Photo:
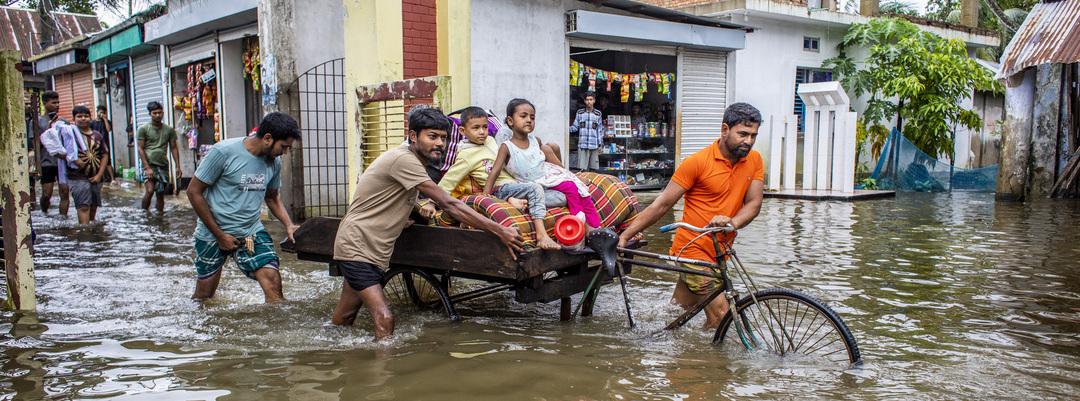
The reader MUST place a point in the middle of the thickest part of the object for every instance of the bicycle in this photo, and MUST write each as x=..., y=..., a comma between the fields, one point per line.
x=776, y=320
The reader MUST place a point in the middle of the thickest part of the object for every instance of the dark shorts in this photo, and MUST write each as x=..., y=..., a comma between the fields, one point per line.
x=85, y=194
x=49, y=174
x=209, y=258
x=360, y=275
x=160, y=179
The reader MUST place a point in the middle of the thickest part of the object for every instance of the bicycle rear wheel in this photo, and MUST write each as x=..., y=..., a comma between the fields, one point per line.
x=788, y=322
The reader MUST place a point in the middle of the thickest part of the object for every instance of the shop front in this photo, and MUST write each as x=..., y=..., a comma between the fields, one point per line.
x=661, y=86
x=238, y=54
x=660, y=77
x=203, y=61
x=127, y=73
x=636, y=94
x=194, y=106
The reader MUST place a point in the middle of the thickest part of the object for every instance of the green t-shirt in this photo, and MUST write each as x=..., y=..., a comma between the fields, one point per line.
x=156, y=143
x=236, y=184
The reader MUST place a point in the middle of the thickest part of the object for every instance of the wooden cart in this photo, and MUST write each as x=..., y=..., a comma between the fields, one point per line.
x=426, y=258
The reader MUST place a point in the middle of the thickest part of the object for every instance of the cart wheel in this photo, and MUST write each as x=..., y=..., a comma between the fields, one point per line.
x=412, y=288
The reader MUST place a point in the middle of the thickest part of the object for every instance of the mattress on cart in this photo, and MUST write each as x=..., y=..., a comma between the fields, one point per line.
x=614, y=201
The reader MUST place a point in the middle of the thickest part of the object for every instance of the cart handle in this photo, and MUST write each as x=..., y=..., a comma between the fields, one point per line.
x=722, y=229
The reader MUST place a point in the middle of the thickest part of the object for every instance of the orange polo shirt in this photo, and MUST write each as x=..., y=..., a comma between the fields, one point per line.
x=714, y=186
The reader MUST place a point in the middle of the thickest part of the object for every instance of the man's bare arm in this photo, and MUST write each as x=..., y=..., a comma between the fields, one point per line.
x=751, y=205
x=273, y=202
x=651, y=214
x=202, y=209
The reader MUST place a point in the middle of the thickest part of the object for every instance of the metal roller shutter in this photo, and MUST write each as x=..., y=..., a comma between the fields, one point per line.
x=146, y=74
x=195, y=50
x=75, y=89
x=62, y=86
x=703, y=98
x=82, y=88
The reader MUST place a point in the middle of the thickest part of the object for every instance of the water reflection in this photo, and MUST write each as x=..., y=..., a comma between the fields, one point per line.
x=949, y=295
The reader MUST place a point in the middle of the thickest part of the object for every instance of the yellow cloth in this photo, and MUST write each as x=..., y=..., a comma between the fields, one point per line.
x=471, y=169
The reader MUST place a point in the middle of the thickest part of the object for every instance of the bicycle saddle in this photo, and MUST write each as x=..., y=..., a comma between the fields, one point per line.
x=605, y=243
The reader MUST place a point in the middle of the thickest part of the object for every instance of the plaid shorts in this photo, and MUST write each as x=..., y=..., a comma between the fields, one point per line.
x=209, y=258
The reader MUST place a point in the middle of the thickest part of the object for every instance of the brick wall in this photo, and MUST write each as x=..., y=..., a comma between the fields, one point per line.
x=419, y=40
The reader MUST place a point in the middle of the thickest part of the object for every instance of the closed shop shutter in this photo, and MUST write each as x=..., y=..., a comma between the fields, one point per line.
x=146, y=74
x=195, y=50
x=75, y=89
x=703, y=98
x=62, y=87
x=82, y=88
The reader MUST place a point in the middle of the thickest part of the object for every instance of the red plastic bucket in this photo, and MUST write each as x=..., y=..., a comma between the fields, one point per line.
x=569, y=230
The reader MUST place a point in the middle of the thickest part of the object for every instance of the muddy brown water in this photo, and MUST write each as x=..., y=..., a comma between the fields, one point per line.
x=949, y=295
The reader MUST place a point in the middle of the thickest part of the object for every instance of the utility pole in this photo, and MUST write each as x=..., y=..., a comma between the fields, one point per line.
x=15, y=188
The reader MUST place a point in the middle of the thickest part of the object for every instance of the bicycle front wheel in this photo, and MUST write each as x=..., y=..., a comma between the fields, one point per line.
x=787, y=322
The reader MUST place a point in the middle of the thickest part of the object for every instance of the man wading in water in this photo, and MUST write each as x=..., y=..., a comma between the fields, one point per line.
x=384, y=197
x=227, y=193
x=723, y=185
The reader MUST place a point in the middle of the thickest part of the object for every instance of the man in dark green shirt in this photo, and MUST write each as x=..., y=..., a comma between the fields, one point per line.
x=155, y=140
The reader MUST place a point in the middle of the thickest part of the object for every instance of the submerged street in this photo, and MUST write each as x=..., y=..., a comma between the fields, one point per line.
x=967, y=299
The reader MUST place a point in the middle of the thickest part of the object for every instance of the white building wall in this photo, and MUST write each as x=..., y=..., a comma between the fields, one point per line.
x=522, y=57
x=525, y=57
x=319, y=34
x=766, y=67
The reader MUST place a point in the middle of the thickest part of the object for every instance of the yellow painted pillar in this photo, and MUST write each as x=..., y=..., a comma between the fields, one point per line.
x=15, y=189
x=373, y=54
x=455, y=44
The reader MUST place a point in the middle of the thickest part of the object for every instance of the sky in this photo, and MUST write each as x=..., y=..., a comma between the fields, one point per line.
x=111, y=17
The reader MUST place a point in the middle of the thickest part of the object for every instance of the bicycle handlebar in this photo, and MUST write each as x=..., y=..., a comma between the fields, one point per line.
x=673, y=226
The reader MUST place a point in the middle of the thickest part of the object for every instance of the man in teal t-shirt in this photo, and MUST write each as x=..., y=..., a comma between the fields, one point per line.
x=227, y=193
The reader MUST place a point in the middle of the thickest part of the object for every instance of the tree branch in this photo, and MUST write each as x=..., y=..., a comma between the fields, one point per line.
x=996, y=10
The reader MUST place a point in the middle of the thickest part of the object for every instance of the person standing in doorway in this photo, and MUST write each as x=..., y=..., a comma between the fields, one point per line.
x=155, y=140
x=589, y=125
x=227, y=193
x=48, y=163
x=85, y=180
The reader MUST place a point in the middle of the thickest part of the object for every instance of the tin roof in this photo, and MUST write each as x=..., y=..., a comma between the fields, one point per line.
x=25, y=29
x=1049, y=34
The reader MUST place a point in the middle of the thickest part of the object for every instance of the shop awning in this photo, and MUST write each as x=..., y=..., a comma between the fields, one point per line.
x=619, y=28
x=182, y=24
x=120, y=43
x=65, y=61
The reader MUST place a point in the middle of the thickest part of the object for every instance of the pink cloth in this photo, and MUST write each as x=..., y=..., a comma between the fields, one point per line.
x=577, y=203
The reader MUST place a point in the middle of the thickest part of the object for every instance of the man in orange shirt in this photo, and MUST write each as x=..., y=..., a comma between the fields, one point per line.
x=722, y=184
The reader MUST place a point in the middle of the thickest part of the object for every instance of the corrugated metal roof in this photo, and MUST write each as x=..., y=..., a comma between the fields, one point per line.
x=1049, y=34
x=25, y=27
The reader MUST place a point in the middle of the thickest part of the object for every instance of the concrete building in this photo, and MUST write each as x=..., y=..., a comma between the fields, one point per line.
x=1041, y=69
x=791, y=39
x=127, y=75
x=491, y=51
x=225, y=64
x=24, y=30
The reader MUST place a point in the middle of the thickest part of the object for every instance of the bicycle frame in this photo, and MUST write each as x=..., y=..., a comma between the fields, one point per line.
x=718, y=269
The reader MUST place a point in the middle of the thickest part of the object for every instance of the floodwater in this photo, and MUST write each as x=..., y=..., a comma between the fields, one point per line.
x=950, y=296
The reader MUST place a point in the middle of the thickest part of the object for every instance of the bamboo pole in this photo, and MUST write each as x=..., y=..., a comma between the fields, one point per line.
x=15, y=188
